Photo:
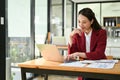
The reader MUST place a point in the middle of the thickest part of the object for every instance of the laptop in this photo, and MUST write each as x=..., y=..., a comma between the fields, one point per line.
x=50, y=52
x=59, y=40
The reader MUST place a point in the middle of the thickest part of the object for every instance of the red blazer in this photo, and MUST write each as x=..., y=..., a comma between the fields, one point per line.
x=97, y=45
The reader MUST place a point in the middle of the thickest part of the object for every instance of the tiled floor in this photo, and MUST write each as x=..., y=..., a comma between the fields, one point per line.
x=57, y=77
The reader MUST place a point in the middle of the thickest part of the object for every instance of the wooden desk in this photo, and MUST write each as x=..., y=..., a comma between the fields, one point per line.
x=41, y=66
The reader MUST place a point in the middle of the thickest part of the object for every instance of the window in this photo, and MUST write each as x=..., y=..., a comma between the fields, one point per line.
x=40, y=24
x=19, y=39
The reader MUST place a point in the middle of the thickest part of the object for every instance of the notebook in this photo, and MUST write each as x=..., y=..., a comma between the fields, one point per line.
x=50, y=52
x=59, y=40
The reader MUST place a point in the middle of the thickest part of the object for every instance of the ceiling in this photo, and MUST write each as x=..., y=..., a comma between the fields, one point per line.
x=60, y=2
x=78, y=1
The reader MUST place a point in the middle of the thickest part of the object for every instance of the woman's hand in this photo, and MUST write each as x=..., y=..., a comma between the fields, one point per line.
x=75, y=31
x=75, y=56
x=72, y=56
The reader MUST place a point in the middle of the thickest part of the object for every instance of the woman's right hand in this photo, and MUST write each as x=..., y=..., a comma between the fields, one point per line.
x=75, y=31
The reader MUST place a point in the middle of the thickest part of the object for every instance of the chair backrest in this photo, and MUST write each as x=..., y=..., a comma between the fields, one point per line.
x=109, y=57
x=59, y=40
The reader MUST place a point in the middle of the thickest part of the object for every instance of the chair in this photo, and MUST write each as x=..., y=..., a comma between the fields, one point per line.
x=59, y=40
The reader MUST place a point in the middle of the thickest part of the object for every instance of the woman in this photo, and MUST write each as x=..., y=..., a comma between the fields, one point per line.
x=89, y=40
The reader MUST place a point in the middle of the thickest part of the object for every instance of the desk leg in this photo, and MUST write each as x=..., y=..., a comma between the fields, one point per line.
x=46, y=77
x=23, y=74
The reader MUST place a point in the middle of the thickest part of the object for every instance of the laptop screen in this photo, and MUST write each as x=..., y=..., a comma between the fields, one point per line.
x=50, y=52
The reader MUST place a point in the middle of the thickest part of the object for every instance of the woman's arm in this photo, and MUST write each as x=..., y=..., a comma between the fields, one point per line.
x=73, y=39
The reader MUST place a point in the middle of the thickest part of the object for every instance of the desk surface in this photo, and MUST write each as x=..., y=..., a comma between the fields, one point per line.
x=43, y=64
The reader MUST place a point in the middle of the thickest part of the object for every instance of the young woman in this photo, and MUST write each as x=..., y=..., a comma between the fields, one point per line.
x=89, y=40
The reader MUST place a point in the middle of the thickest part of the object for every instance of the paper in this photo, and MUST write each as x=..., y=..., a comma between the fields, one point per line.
x=99, y=61
x=87, y=61
x=101, y=65
x=73, y=64
x=107, y=61
x=104, y=64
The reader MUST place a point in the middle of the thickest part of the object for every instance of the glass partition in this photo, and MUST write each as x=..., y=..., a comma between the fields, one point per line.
x=19, y=41
x=40, y=23
x=68, y=19
x=56, y=18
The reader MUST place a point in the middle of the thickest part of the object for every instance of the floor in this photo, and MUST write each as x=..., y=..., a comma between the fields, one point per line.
x=57, y=77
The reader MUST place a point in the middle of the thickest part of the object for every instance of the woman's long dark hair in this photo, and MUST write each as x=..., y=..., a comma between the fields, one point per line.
x=87, y=12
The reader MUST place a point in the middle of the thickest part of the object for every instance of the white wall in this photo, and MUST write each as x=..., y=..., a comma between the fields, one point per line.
x=40, y=23
x=110, y=10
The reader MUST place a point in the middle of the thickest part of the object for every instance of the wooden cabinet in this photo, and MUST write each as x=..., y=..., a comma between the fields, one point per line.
x=111, y=21
x=118, y=22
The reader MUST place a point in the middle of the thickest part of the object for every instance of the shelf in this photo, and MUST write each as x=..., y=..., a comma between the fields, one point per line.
x=111, y=21
x=112, y=25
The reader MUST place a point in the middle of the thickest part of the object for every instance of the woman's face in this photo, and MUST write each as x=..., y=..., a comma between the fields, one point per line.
x=84, y=23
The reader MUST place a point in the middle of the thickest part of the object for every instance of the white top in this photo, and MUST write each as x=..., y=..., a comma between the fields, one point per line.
x=88, y=39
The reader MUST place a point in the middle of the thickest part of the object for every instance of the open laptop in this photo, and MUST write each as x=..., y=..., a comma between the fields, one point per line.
x=59, y=40
x=50, y=52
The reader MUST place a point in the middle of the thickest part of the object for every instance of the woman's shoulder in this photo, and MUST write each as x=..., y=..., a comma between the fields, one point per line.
x=100, y=31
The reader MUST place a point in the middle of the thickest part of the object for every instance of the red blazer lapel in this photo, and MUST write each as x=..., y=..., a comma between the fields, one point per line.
x=83, y=46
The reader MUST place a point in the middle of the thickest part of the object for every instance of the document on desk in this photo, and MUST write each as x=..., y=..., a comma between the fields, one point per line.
x=101, y=65
x=99, y=61
x=104, y=64
x=73, y=64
